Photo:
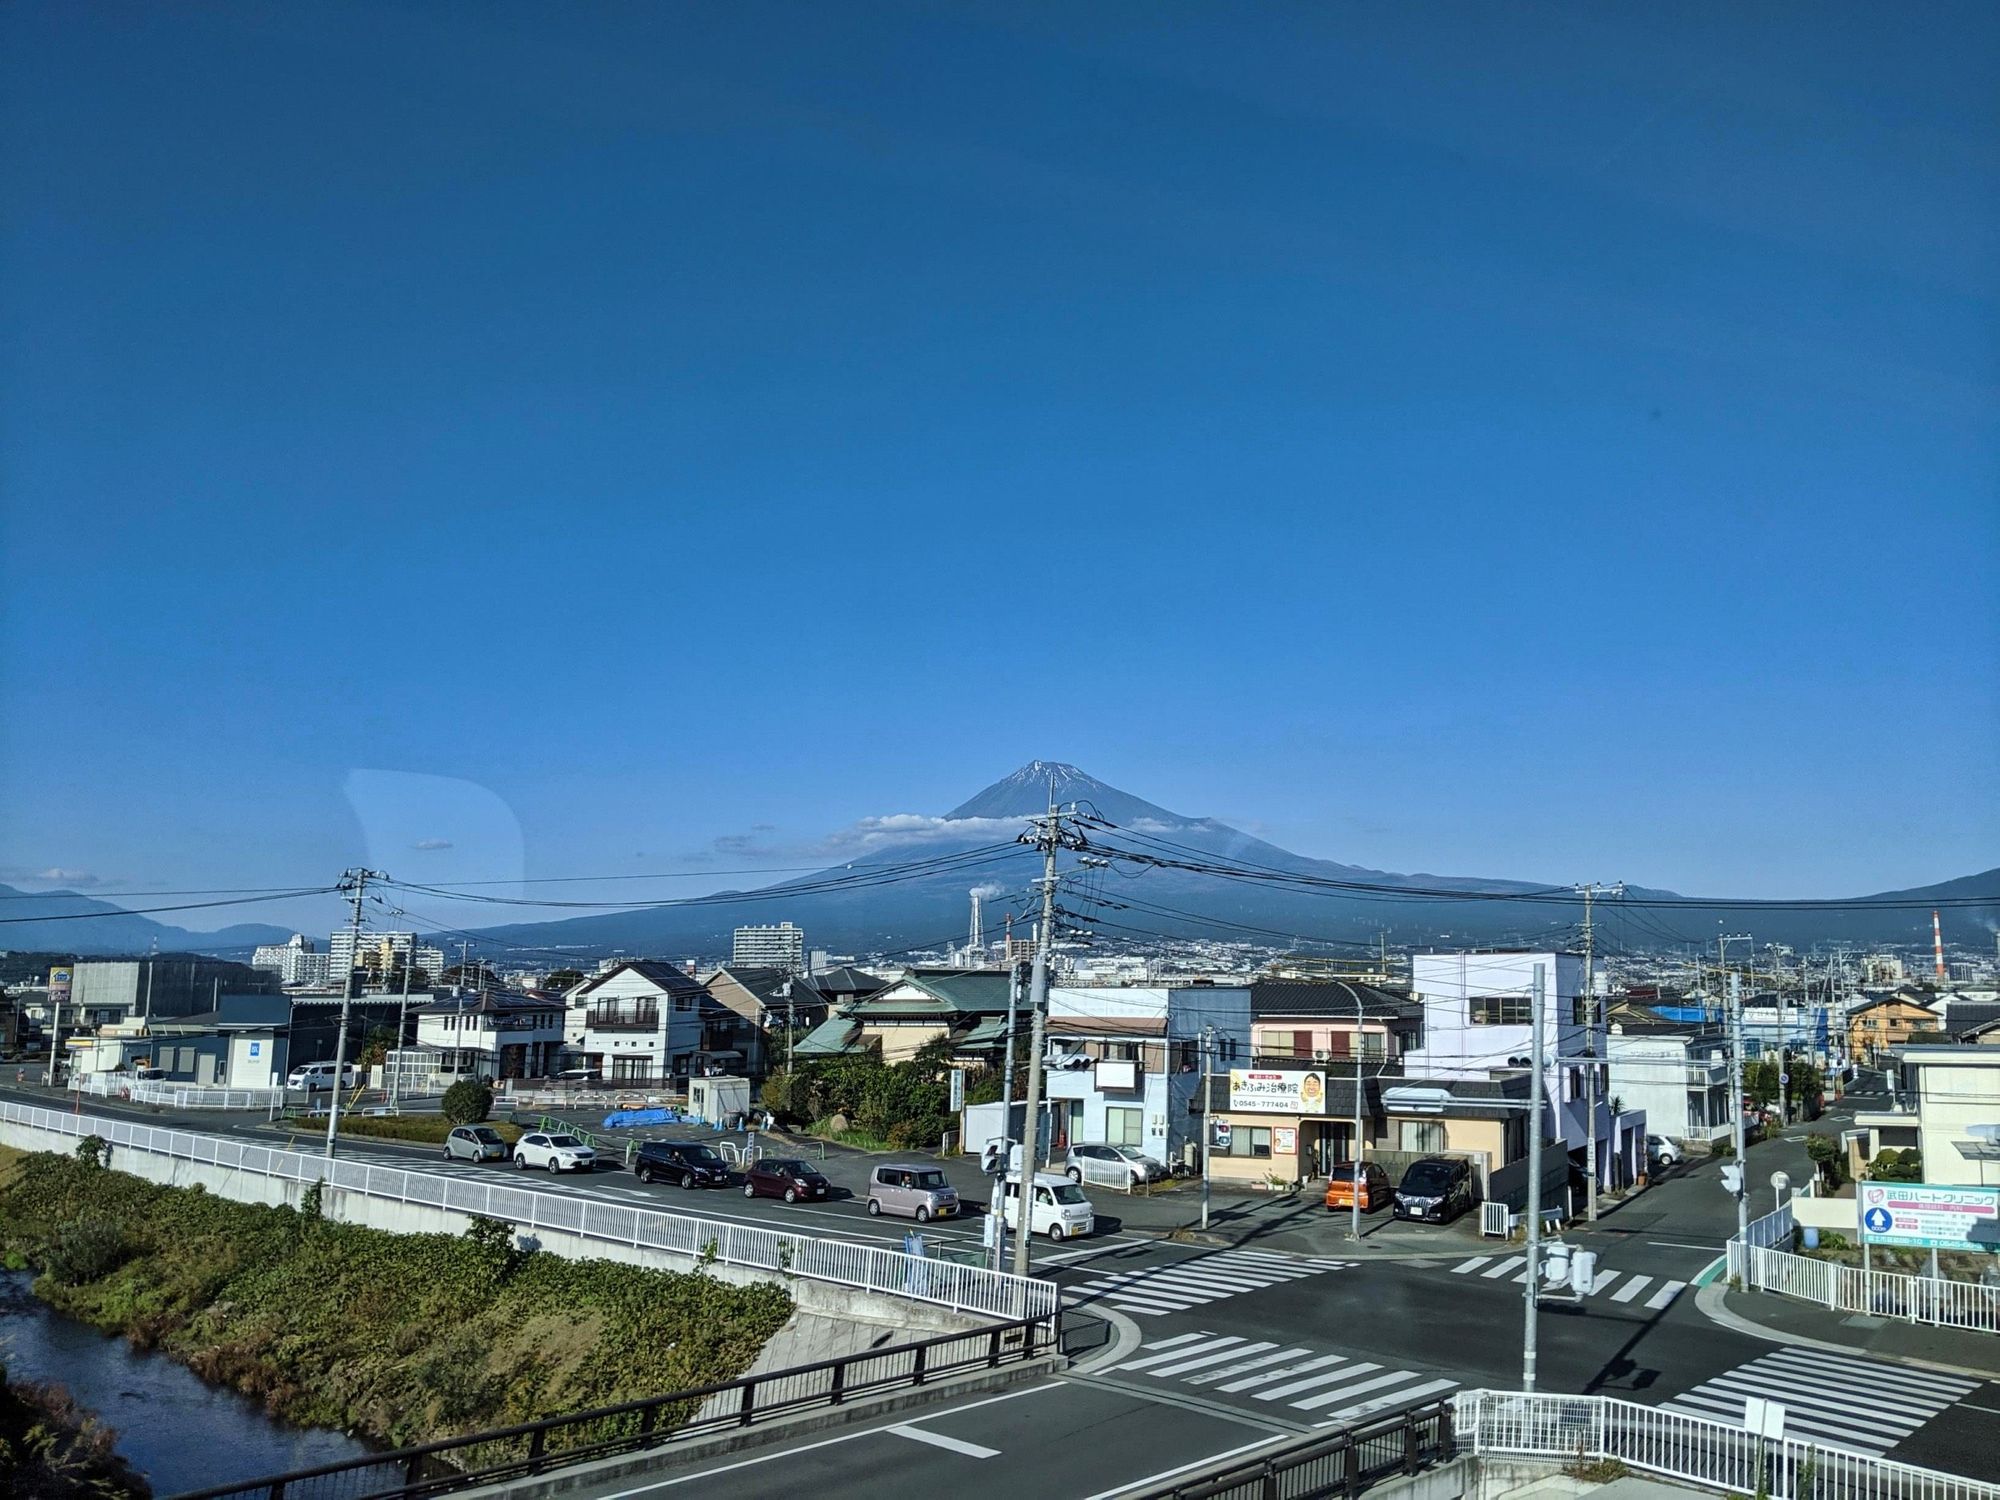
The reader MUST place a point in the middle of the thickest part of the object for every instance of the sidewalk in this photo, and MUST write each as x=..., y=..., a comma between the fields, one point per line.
x=1790, y=1321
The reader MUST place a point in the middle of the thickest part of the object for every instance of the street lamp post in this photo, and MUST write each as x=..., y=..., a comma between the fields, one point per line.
x=1207, y=1113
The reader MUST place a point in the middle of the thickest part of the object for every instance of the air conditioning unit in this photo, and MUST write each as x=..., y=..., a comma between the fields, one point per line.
x=1320, y=1054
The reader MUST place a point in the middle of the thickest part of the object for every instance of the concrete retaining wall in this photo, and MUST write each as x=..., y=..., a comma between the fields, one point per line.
x=815, y=1299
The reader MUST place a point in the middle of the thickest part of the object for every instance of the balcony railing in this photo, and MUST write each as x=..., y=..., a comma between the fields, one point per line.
x=622, y=1018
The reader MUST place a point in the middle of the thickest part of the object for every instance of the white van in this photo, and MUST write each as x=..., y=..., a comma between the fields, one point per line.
x=1059, y=1209
x=313, y=1077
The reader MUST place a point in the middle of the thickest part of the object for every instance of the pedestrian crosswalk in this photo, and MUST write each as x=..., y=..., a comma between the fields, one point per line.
x=1176, y=1286
x=1656, y=1292
x=1329, y=1387
x=1841, y=1400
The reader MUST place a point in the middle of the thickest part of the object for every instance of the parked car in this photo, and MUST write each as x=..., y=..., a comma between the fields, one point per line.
x=783, y=1177
x=1112, y=1162
x=1662, y=1152
x=1059, y=1209
x=919, y=1193
x=313, y=1077
x=475, y=1143
x=1435, y=1190
x=559, y=1153
x=688, y=1163
x=1375, y=1189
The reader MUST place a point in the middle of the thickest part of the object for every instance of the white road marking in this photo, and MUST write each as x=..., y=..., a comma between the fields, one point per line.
x=1360, y=1368
x=1470, y=1265
x=1631, y=1289
x=939, y=1440
x=1512, y=1263
x=1665, y=1295
x=1209, y=1377
x=1159, y=1359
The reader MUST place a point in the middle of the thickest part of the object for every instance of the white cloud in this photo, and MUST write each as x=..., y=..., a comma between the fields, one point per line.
x=53, y=875
x=892, y=829
x=428, y=844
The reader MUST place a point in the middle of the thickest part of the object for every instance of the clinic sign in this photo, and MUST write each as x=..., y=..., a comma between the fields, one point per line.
x=1269, y=1091
x=1930, y=1218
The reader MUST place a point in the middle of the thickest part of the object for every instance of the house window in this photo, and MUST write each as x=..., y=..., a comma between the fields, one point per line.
x=632, y=1069
x=1302, y=1044
x=1121, y=1126
x=1500, y=1010
x=1371, y=1044
x=1420, y=1135
x=683, y=1003
x=1250, y=1140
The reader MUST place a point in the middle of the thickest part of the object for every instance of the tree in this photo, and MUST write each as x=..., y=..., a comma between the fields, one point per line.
x=418, y=978
x=563, y=980
x=474, y=976
x=467, y=1102
x=375, y=1048
x=1897, y=1166
x=1825, y=1153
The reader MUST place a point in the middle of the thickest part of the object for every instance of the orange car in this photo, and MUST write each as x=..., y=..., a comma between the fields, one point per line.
x=1375, y=1190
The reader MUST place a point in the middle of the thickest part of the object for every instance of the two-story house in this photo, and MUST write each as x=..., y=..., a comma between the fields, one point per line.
x=493, y=1036
x=638, y=1024
x=1879, y=1026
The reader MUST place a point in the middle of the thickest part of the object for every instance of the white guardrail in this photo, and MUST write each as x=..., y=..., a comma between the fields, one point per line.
x=1763, y=1262
x=173, y=1095
x=1695, y=1450
x=889, y=1272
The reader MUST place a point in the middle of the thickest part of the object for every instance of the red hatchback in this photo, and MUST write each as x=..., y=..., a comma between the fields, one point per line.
x=783, y=1177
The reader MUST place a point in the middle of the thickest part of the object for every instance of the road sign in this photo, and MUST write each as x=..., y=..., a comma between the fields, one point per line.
x=1931, y=1218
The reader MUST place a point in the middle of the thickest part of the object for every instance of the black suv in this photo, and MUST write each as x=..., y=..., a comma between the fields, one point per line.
x=689, y=1163
x=1437, y=1189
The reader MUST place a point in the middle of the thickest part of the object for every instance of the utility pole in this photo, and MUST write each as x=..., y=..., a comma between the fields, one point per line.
x=1736, y=1101
x=1590, y=1010
x=1532, y=1290
x=1049, y=836
x=1207, y=1112
x=1006, y=1162
x=402, y=1021
x=355, y=884
x=1355, y=1177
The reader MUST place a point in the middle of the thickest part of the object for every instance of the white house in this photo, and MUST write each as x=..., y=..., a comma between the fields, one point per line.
x=1107, y=1077
x=492, y=1036
x=1479, y=1021
x=637, y=1023
x=1680, y=1078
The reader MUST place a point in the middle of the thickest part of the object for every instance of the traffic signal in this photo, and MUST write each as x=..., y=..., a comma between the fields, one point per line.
x=1732, y=1178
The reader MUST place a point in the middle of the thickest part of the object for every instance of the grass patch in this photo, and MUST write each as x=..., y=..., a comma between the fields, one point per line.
x=404, y=1338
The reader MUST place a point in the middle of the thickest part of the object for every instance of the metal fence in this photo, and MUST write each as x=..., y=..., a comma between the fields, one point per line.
x=889, y=1272
x=173, y=1095
x=1694, y=1450
x=558, y=1442
x=1762, y=1261
x=1342, y=1463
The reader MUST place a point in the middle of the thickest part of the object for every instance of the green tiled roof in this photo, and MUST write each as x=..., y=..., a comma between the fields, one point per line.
x=831, y=1038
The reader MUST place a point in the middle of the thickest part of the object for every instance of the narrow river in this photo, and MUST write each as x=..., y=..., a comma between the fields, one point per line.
x=180, y=1433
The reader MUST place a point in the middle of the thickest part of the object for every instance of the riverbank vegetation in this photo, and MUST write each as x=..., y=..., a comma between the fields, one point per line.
x=402, y=1338
x=51, y=1449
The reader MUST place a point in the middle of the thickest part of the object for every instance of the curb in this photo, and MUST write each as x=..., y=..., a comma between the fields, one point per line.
x=1709, y=1300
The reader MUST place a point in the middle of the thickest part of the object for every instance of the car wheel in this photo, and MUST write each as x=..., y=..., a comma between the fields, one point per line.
x=1055, y=1233
x=749, y=1190
x=644, y=1174
x=688, y=1184
x=447, y=1153
x=874, y=1209
x=923, y=1214
x=521, y=1161
x=1074, y=1174
x=791, y=1195
x=555, y=1164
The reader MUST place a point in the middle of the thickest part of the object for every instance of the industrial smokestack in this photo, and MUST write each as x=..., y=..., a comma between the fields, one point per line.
x=976, y=940
x=1937, y=944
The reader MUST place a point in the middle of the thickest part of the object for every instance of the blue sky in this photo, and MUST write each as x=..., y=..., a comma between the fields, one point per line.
x=1552, y=442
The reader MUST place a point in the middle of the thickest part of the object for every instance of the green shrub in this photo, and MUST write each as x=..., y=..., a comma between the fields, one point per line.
x=84, y=1250
x=93, y=1150
x=403, y=1338
x=429, y=1130
x=467, y=1102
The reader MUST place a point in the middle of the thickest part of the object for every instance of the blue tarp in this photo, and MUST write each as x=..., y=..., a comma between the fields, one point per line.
x=640, y=1117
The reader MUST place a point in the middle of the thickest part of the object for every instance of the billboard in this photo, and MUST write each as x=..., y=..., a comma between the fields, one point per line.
x=1276, y=1091
x=1930, y=1218
x=60, y=979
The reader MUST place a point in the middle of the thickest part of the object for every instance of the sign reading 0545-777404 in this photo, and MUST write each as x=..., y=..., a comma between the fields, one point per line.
x=1931, y=1218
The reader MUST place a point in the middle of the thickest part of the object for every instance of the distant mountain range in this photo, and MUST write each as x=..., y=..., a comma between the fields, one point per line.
x=911, y=891
x=932, y=910
x=35, y=926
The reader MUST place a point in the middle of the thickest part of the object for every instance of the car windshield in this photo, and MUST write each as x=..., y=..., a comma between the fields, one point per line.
x=704, y=1156
x=785, y=1168
x=1427, y=1179
x=486, y=1136
x=568, y=1141
x=1344, y=1171
x=1069, y=1192
x=1127, y=1153
x=932, y=1180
